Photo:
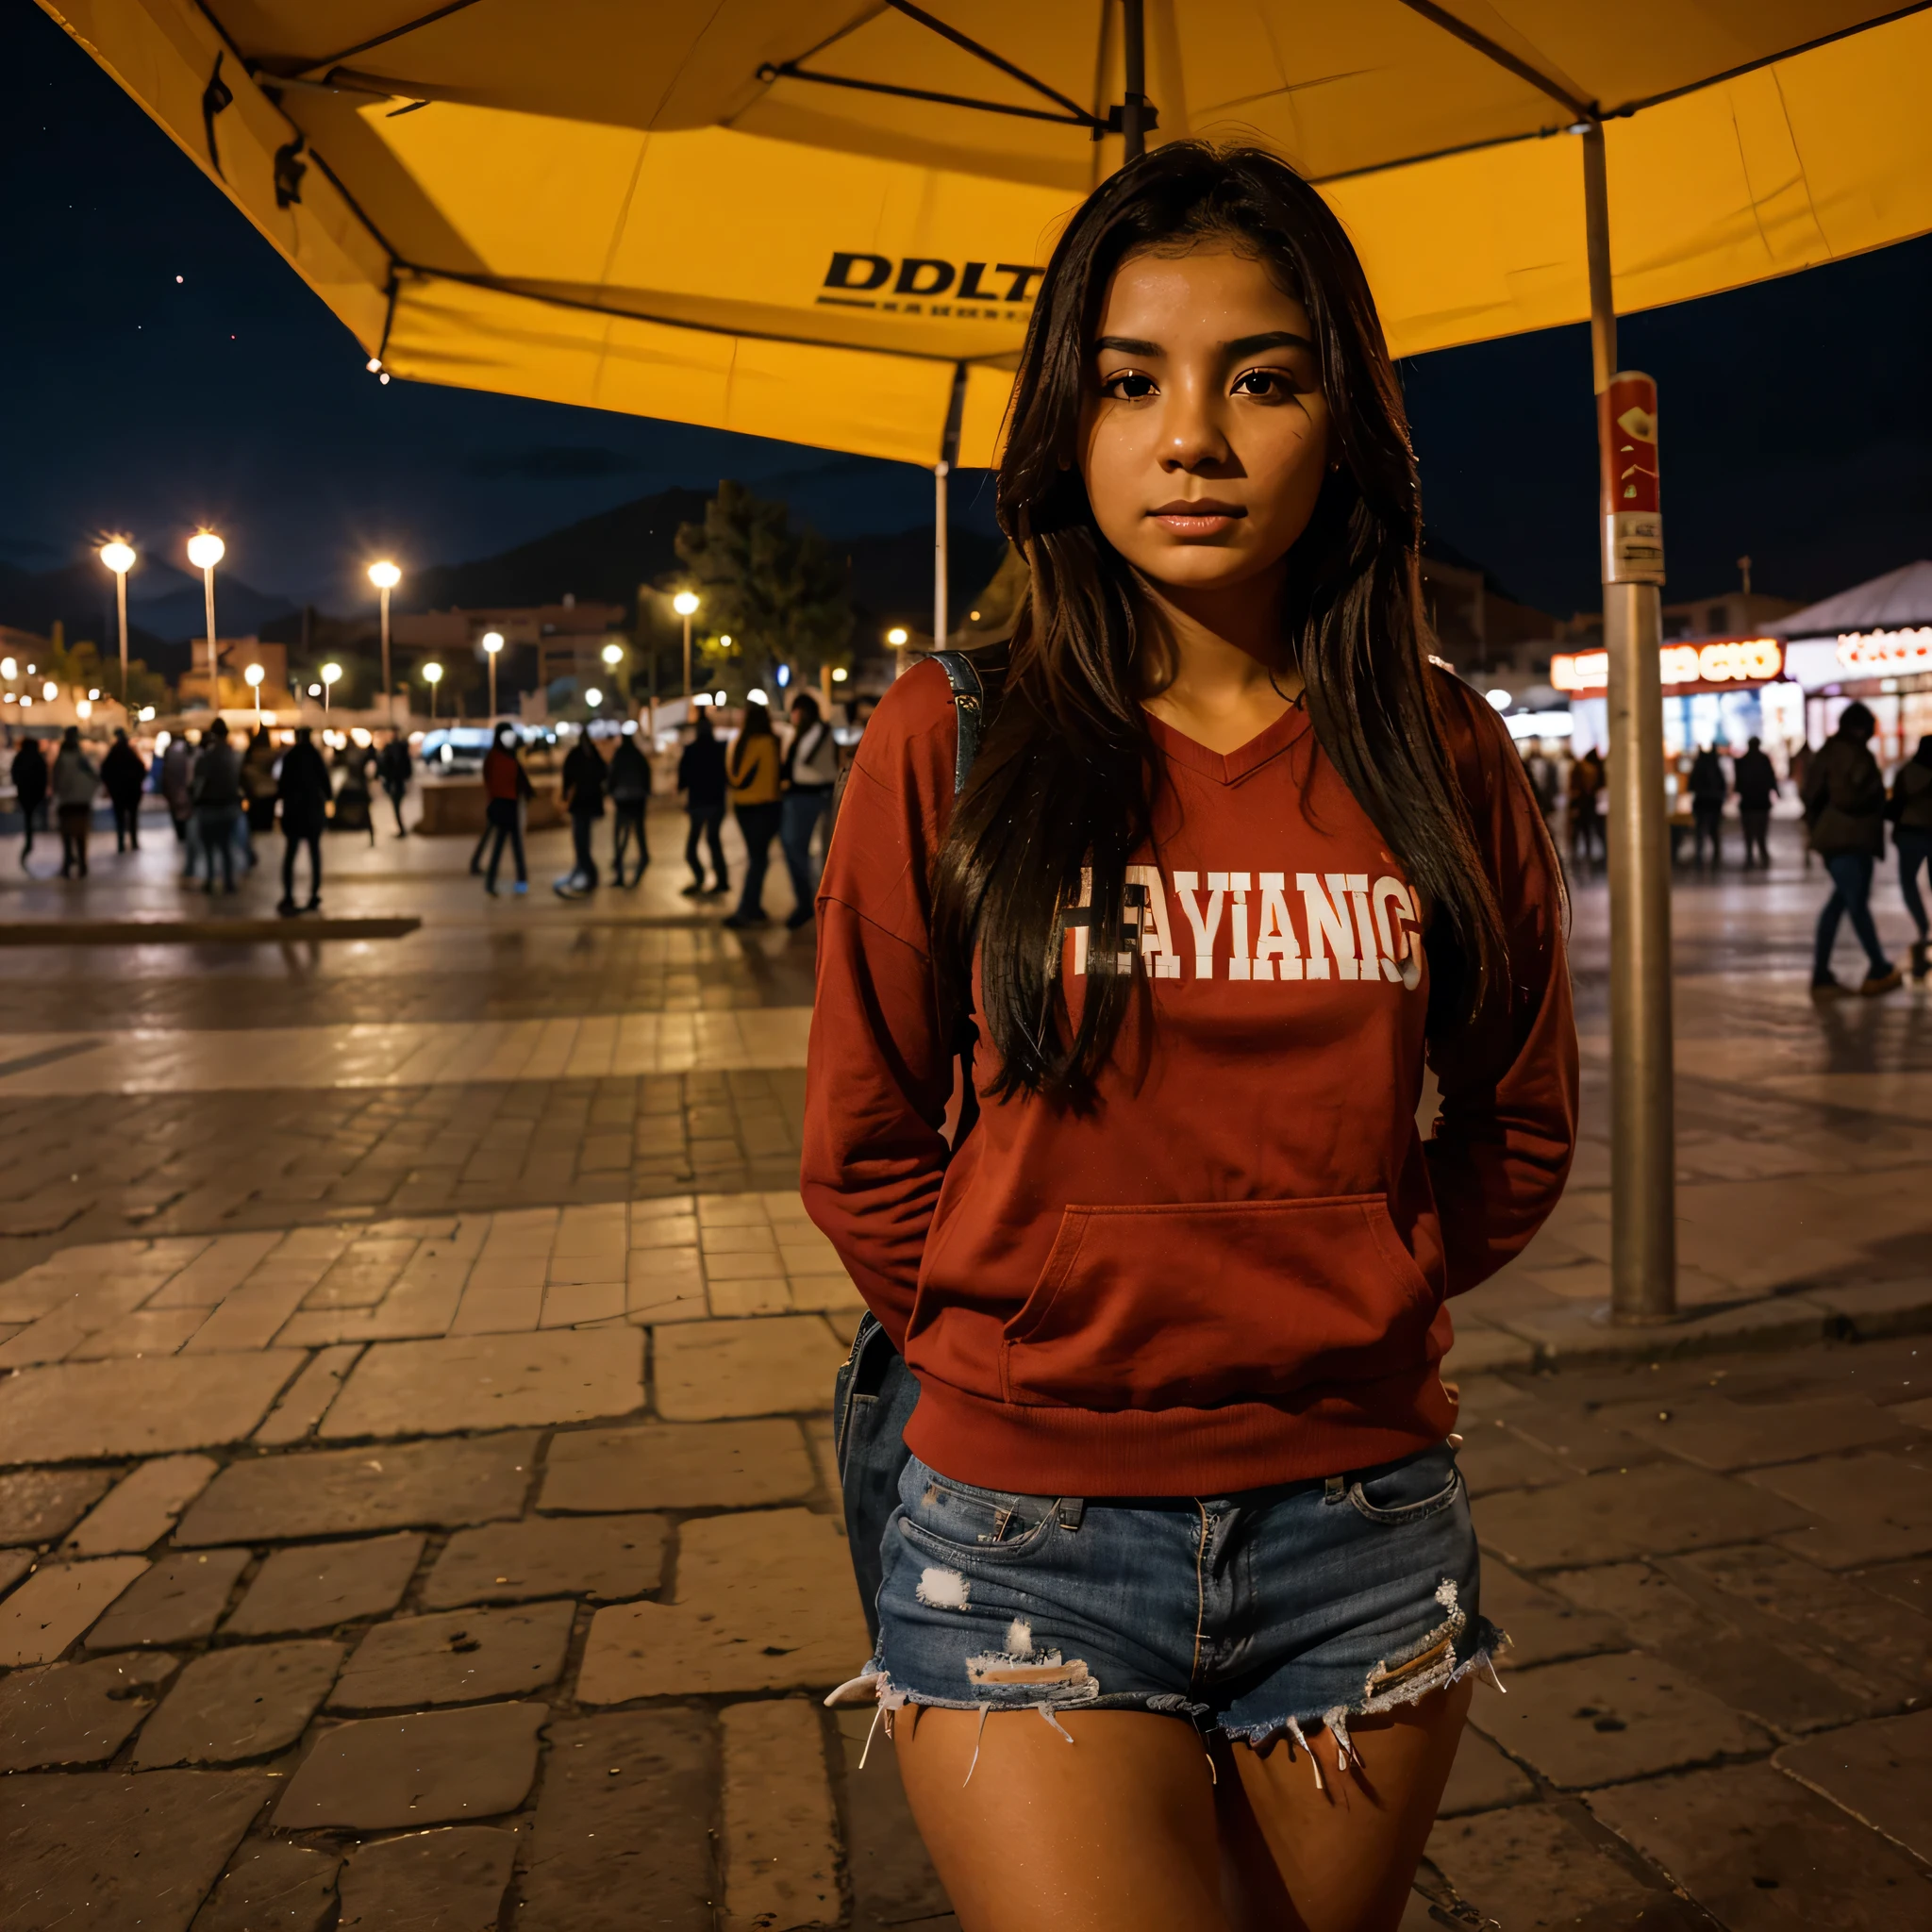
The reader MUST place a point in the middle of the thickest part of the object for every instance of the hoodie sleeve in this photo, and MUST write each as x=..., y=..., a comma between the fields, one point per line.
x=1503, y=1142
x=879, y=1071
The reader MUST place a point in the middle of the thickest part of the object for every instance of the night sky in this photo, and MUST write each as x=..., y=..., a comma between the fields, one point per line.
x=165, y=368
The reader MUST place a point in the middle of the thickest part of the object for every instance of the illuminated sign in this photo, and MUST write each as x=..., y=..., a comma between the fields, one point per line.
x=1886, y=650
x=1726, y=661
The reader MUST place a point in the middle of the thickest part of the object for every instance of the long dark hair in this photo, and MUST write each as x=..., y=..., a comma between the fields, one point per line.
x=1064, y=781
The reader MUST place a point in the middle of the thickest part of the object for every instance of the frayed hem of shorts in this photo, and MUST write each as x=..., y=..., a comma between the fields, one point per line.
x=1295, y=1728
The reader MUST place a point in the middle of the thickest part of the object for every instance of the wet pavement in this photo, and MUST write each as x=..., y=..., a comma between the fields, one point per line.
x=414, y=1497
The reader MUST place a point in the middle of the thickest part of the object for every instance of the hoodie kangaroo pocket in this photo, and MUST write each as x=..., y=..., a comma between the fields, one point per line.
x=1192, y=1304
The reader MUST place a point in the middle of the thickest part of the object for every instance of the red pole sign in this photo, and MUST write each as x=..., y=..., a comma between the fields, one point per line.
x=1633, y=518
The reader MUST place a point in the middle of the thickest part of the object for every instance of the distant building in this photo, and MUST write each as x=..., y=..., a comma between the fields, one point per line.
x=567, y=638
x=236, y=695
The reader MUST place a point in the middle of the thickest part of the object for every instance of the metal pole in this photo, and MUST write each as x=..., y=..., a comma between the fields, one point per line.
x=1133, y=49
x=214, y=656
x=492, y=656
x=389, y=700
x=1643, y=1233
x=939, y=472
x=121, y=601
x=686, y=667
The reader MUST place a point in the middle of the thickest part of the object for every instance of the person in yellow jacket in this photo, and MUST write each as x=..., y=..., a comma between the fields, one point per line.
x=751, y=768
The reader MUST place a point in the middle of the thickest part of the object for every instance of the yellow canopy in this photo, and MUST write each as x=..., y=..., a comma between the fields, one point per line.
x=820, y=220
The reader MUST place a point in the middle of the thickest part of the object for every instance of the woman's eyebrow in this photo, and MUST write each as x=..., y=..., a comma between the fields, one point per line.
x=1127, y=345
x=1273, y=338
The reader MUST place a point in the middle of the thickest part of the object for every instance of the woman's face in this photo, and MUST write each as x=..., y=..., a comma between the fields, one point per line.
x=1204, y=437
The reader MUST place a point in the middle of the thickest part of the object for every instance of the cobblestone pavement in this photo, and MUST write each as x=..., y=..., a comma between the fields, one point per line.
x=414, y=1496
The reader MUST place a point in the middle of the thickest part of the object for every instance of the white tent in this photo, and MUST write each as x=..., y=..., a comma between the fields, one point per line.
x=1900, y=600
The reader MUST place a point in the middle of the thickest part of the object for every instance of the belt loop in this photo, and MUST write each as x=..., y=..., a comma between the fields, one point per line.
x=1069, y=1510
x=1334, y=1489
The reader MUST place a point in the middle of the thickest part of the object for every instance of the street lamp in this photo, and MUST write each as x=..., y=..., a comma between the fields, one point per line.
x=254, y=677
x=386, y=576
x=685, y=603
x=432, y=676
x=206, y=550
x=898, y=638
x=593, y=697
x=119, y=558
x=492, y=643
x=329, y=675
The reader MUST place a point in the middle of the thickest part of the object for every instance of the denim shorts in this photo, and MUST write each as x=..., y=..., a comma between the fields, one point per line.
x=1272, y=1611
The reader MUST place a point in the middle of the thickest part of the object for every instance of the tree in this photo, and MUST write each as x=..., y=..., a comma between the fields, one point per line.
x=778, y=594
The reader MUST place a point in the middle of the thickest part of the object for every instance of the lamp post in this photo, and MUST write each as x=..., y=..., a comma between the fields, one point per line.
x=330, y=673
x=898, y=637
x=253, y=678
x=206, y=550
x=613, y=655
x=493, y=644
x=386, y=576
x=432, y=676
x=119, y=558
x=685, y=603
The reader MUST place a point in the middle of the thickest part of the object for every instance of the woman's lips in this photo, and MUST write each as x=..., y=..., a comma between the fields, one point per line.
x=1197, y=519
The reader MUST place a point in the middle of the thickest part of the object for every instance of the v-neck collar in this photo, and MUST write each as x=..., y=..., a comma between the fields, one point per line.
x=1229, y=768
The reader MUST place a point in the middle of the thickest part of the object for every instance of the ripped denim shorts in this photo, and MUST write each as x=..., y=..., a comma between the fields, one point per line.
x=1274, y=1612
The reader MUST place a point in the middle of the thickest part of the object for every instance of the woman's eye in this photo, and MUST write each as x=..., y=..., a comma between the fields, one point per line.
x=1128, y=386
x=1270, y=383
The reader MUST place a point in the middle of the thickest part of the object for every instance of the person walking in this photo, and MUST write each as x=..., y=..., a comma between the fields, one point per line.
x=217, y=791
x=75, y=781
x=751, y=770
x=1755, y=780
x=1708, y=791
x=1182, y=1477
x=177, y=770
x=809, y=772
x=1586, y=821
x=1844, y=813
x=585, y=780
x=506, y=786
x=302, y=786
x=393, y=766
x=259, y=791
x=701, y=782
x=1910, y=812
x=29, y=774
x=125, y=775
x=630, y=798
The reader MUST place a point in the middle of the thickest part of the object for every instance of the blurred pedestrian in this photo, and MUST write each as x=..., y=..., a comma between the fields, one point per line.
x=1801, y=770
x=303, y=788
x=1844, y=810
x=217, y=791
x=700, y=780
x=1586, y=792
x=259, y=793
x=75, y=781
x=630, y=798
x=392, y=767
x=125, y=775
x=178, y=770
x=1910, y=812
x=1755, y=780
x=506, y=786
x=751, y=770
x=1710, y=788
x=29, y=775
x=809, y=773
x=356, y=801
x=585, y=779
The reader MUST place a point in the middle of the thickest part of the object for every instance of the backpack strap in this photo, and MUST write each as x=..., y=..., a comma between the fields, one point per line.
x=968, y=696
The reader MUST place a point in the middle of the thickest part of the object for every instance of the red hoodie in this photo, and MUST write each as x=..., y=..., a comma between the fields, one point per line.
x=1232, y=1270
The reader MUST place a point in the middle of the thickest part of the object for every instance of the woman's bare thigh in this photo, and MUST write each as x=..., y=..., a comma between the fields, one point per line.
x=1123, y=1830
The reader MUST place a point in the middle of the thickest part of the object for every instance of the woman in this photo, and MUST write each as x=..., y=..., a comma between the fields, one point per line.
x=1232, y=862
x=506, y=786
x=1910, y=812
x=700, y=780
x=75, y=781
x=751, y=770
x=808, y=774
x=125, y=773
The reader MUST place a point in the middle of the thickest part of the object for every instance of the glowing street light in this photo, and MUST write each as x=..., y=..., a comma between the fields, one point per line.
x=253, y=676
x=593, y=697
x=613, y=654
x=432, y=676
x=386, y=576
x=686, y=604
x=492, y=647
x=330, y=673
x=119, y=558
x=897, y=637
x=50, y=690
x=206, y=550
x=839, y=673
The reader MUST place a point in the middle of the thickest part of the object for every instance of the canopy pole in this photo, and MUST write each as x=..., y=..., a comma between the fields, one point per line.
x=1134, y=97
x=949, y=455
x=1643, y=1233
